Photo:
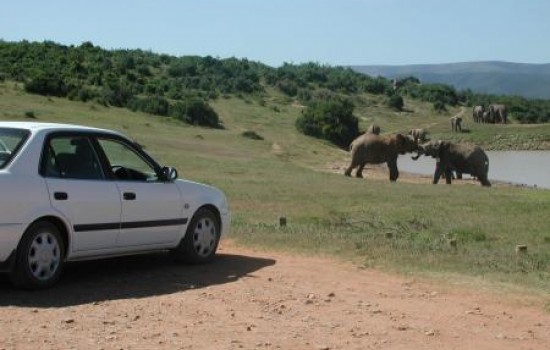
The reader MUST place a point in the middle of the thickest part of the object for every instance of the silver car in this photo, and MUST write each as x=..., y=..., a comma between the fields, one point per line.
x=72, y=193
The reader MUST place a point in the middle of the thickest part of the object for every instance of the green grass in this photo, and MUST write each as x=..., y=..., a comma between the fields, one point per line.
x=397, y=226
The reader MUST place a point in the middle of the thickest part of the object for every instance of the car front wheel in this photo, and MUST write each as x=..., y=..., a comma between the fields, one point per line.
x=201, y=239
x=39, y=260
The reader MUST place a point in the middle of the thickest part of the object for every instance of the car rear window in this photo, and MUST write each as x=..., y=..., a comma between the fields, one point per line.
x=11, y=141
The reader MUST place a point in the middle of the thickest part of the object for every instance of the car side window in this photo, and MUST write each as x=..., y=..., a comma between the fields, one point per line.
x=72, y=157
x=126, y=164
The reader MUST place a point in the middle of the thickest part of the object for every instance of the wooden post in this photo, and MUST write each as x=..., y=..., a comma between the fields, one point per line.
x=452, y=243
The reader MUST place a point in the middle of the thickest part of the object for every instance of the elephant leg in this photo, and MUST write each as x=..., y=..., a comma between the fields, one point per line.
x=437, y=174
x=359, y=172
x=348, y=171
x=394, y=172
x=352, y=165
x=448, y=175
x=482, y=177
x=484, y=181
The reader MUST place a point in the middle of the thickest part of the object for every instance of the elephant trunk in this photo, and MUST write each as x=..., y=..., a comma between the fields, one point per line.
x=418, y=154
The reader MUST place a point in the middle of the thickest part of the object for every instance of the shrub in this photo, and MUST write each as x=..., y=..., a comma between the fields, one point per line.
x=439, y=107
x=30, y=114
x=331, y=120
x=47, y=85
x=249, y=134
x=396, y=102
x=152, y=105
x=195, y=111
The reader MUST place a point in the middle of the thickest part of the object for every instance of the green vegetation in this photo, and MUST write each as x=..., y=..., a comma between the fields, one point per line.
x=268, y=168
x=331, y=120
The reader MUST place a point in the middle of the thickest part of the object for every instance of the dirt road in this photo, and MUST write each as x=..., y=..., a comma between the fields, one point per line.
x=261, y=300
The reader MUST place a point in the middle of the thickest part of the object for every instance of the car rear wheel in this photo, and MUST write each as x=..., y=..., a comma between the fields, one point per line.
x=201, y=239
x=39, y=259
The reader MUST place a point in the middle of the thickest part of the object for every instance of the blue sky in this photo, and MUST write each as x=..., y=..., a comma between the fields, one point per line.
x=334, y=32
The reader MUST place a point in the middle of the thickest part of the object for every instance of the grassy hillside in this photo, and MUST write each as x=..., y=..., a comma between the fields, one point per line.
x=400, y=226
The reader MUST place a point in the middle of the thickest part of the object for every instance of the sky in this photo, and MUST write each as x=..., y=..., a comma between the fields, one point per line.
x=330, y=32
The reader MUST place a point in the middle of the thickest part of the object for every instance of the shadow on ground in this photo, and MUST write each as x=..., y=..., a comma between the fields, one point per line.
x=131, y=277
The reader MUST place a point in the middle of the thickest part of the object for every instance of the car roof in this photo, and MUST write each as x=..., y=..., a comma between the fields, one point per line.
x=39, y=126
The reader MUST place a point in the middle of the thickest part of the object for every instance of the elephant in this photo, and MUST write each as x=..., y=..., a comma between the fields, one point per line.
x=460, y=158
x=373, y=129
x=376, y=149
x=419, y=135
x=477, y=114
x=456, y=123
x=499, y=113
x=486, y=117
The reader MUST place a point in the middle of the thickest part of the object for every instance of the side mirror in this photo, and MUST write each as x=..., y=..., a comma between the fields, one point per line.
x=169, y=174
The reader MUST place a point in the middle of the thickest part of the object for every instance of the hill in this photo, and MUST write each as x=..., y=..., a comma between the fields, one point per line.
x=492, y=77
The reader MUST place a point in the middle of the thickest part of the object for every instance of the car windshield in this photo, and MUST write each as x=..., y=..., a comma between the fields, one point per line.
x=11, y=141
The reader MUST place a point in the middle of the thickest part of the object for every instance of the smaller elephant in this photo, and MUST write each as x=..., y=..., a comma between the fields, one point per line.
x=460, y=158
x=499, y=114
x=376, y=149
x=373, y=129
x=486, y=117
x=456, y=123
x=419, y=135
x=477, y=114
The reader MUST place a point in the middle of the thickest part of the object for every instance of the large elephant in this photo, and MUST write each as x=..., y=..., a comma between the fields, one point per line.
x=419, y=135
x=458, y=157
x=376, y=149
x=499, y=113
x=477, y=114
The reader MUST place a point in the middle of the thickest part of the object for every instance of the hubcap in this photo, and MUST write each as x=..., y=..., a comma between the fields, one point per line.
x=44, y=256
x=204, y=237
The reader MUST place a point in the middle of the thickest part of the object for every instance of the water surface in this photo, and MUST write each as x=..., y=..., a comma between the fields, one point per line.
x=531, y=168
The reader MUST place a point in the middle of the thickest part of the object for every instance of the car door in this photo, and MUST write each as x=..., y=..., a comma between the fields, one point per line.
x=151, y=209
x=80, y=190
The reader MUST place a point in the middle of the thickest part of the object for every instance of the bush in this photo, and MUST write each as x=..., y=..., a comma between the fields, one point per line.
x=439, y=107
x=195, y=111
x=331, y=120
x=249, y=134
x=47, y=85
x=152, y=105
x=396, y=102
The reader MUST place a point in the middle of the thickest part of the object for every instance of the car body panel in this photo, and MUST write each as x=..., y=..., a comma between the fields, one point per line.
x=88, y=203
x=154, y=216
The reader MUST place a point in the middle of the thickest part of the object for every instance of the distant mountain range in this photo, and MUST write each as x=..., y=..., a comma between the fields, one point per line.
x=492, y=77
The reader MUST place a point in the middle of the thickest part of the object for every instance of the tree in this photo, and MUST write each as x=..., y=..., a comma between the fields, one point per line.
x=195, y=111
x=396, y=102
x=332, y=120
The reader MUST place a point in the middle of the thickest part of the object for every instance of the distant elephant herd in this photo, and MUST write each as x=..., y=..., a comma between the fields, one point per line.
x=494, y=114
x=452, y=158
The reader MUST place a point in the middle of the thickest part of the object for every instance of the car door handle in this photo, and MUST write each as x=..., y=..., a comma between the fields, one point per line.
x=60, y=196
x=129, y=196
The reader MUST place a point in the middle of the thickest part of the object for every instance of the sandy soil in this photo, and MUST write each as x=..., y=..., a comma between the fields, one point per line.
x=250, y=299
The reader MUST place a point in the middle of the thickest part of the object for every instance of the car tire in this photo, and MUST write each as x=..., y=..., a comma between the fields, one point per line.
x=40, y=257
x=201, y=238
